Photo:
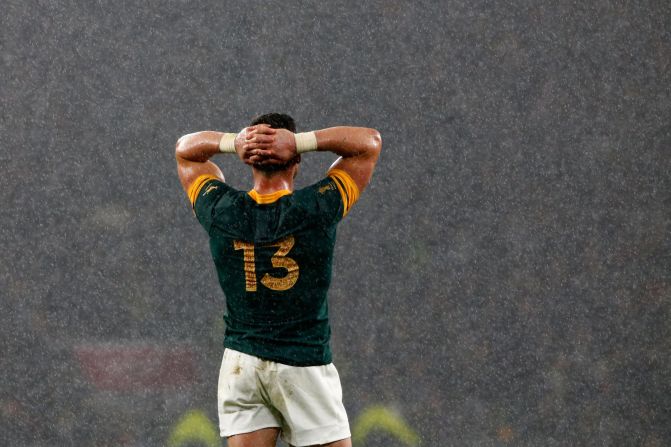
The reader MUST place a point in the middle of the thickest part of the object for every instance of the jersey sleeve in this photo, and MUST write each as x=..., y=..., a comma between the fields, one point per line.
x=204, y=194
x=349, y=191
x=333, y=196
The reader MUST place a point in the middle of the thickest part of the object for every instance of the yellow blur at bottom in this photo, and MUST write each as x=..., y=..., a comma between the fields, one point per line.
x=382, y=419
x=193, y=427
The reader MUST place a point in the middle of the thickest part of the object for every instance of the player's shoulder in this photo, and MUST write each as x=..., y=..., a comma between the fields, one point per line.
x=318, y=188
x=320, y=192
x=329, y=198
x=340, y=186
x=203, y=186
x=209, y=195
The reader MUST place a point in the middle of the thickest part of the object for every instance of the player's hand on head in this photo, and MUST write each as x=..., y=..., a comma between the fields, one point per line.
x=265, y=145
x=252, y=143
x=284, y=145
x=256, y=144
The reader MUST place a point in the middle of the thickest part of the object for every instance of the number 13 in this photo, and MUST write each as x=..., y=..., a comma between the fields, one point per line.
x=279, y=260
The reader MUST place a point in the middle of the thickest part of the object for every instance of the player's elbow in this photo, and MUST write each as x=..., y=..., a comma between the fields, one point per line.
x=181, y=146
x=375, y=142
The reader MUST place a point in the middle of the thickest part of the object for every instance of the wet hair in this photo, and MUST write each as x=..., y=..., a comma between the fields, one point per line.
x=277, y=121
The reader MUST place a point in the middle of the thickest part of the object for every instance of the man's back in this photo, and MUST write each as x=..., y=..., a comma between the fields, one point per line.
x=273, y=255
x=273, y=250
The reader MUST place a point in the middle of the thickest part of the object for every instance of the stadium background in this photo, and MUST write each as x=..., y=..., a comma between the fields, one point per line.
x=504, y=281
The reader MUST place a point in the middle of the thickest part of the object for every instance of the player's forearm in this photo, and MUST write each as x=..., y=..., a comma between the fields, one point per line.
x=198, y=146
x=350, y=142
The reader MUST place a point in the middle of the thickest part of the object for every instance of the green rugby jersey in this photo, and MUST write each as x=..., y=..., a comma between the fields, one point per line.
x=273, y=255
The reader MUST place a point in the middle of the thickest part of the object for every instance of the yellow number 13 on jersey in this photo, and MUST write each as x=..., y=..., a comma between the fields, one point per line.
x=279, y=260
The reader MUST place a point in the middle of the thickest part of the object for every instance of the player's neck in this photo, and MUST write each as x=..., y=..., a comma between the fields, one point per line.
x=267, y=183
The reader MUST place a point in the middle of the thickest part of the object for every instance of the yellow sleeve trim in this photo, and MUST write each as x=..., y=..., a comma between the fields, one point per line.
x=349, y=191
x=197, y=185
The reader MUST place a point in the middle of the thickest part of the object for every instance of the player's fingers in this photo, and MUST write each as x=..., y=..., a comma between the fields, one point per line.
x=252, y=146
x=251, y=132
x=261, y=132
x=256, y=154
x=261, y=138
x=262, y=152
x=264, y=129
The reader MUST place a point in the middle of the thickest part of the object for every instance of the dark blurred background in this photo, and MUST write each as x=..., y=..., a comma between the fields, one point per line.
x=503, y=281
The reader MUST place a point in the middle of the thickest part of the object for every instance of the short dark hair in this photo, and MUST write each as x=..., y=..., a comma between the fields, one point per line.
x=277, y=121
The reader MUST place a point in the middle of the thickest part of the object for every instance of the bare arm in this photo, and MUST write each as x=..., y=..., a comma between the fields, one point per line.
x=193, y=152
x=358, y=147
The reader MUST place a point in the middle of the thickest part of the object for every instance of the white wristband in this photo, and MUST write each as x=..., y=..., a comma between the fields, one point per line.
x=305, y=142
x=227, y=143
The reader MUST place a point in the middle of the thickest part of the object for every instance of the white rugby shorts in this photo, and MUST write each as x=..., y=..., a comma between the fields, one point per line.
x=305, y=402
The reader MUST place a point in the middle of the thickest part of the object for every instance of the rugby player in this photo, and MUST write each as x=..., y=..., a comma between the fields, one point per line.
x=273, y=251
